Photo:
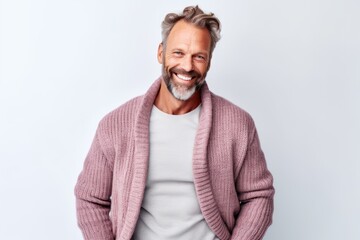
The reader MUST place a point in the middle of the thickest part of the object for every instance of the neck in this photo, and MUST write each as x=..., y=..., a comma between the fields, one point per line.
x=167, y=103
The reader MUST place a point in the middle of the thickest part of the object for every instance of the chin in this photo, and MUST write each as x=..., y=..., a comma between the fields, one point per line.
x=182, y=94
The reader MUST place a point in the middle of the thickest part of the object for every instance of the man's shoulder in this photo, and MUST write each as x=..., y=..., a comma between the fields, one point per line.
x=227, y=113
x=125, y=113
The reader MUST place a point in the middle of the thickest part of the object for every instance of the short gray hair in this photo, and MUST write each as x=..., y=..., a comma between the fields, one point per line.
x=197, y=17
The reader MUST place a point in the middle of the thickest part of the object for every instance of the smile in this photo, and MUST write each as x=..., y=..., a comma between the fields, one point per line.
x=183, y=77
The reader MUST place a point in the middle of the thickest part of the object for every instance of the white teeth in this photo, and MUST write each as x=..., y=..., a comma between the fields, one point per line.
x=182, y=77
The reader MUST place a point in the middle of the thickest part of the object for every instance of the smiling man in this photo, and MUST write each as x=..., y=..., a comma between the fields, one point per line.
x=178, y=162
x=185, y=58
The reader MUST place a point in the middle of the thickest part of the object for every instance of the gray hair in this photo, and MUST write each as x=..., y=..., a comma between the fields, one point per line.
x=197, y=17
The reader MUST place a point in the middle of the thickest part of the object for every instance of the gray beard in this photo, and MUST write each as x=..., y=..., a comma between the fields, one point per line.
x=179, y=92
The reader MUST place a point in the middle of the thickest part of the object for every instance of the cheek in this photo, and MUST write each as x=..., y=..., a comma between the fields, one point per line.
x=171, y=62
x=202, y=68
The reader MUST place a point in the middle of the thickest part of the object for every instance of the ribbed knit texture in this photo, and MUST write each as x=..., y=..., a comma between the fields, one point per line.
x=234, y=187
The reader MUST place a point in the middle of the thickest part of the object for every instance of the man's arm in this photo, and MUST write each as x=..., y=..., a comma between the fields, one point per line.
x=255, y=191
x=93, y=191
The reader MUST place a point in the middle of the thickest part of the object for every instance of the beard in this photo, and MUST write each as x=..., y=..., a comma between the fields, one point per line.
x=179, y=91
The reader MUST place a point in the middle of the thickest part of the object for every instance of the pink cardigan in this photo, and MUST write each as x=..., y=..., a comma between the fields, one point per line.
x=234, y=187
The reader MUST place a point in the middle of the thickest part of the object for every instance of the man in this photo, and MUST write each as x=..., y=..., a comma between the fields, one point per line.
x=178, y=162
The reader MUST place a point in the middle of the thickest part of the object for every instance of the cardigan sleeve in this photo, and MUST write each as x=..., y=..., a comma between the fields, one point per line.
x=255, y=192
x=93, y=192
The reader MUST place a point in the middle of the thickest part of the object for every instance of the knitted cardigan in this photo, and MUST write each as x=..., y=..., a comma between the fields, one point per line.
x=233, y=185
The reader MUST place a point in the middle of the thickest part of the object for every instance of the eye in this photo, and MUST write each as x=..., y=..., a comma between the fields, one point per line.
x=178, y=53
x=200, y=58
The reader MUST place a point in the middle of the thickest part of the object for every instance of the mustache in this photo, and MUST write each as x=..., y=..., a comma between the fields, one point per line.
x=191, y=73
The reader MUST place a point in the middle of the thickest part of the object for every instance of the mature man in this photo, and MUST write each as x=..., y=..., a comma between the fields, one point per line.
x=178, y=162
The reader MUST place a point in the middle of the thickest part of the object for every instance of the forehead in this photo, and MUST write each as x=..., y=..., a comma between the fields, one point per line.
x=184, y=33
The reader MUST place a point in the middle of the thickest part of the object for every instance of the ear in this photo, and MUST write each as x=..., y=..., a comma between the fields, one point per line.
x=160, y=53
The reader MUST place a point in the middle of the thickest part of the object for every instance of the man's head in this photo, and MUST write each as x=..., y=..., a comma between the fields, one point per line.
x=186, y=49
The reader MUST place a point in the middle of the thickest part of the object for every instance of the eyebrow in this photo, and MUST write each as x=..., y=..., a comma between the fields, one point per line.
x=197, y=53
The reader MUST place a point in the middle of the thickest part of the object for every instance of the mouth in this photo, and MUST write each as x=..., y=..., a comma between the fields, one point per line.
x=183, y=77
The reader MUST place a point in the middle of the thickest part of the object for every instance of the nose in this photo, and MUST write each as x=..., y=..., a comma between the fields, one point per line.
x=187, y=63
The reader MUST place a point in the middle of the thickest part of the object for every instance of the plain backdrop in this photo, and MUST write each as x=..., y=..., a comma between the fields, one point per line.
x=293, y=65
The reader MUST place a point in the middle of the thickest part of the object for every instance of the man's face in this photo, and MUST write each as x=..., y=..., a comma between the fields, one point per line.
x=185, y=59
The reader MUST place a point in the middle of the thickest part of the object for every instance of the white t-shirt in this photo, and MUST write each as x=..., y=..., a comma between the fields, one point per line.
x=170, y=209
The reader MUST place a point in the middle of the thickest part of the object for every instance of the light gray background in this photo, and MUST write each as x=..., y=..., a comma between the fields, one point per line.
x=294, y=65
